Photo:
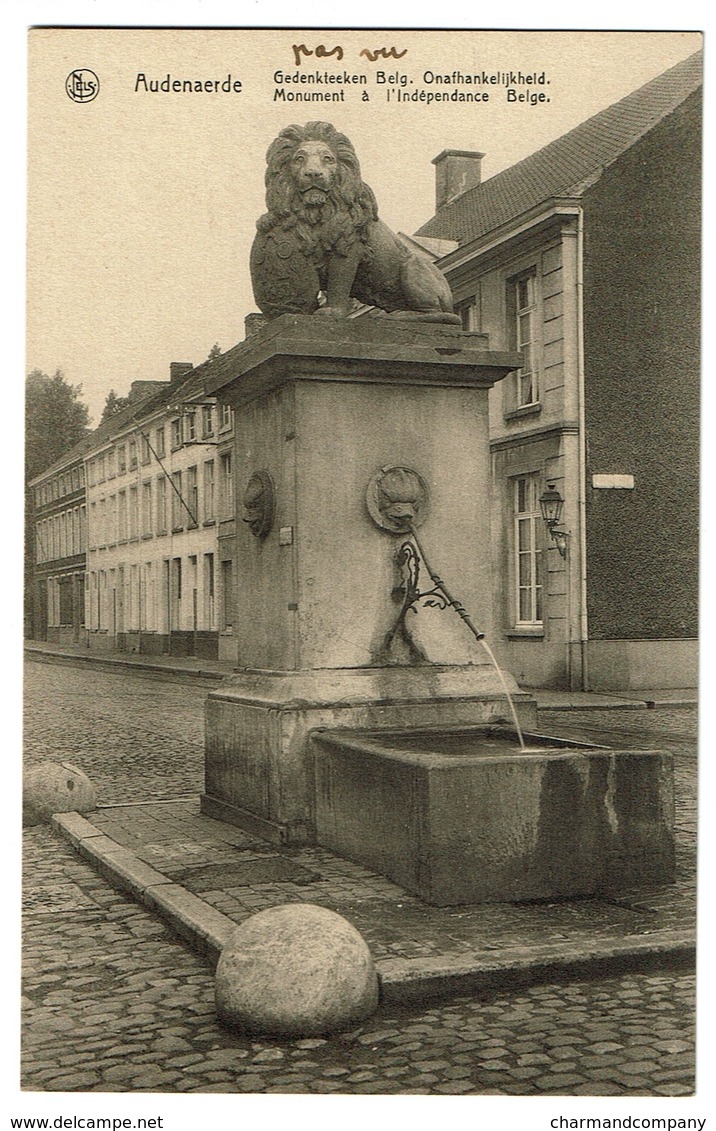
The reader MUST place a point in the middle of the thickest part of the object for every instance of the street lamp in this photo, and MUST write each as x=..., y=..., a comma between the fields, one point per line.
x=551, y=504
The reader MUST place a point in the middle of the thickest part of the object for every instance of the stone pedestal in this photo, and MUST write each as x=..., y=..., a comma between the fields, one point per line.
x=321, y=405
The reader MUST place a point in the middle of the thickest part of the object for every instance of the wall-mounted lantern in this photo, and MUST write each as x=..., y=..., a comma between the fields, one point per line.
x=551, y=504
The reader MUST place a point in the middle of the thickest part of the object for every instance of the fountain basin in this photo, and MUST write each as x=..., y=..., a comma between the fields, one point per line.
x=463, y=815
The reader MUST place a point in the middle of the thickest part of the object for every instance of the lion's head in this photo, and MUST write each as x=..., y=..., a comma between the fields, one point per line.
x=314, y=186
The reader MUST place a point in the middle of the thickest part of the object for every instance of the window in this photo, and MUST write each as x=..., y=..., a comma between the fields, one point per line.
x=132, y=454
x=159, y=442
x=100, y=470
x=102, y=523
x=192, y=495
x=112, y=519
x=226, y=416
x=133, y=512
x=92, y=477
x=147, y=598
x=193, y=591
x=178, y=511
x=227, y=595
x=208, y=591
x=121, y=516
x=190, y=426
x=527, y=551
x=147, y=527
x=227, y=486
x=144, y=449
x=121, y=458
x=161, y=504
x=469, y=315
x=111, y=464
x=65, y=588
x=83, y=528
x=175, y=621
x=524, y=339
x=207, y=420
x=209, y=502
x=176, y=433
x=133, y=611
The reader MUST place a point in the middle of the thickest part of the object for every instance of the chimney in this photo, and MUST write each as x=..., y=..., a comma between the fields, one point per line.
x=141, y=389
x=456, y=171
x=178, y=369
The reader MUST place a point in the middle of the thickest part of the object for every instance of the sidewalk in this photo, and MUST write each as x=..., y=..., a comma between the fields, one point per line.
x=203, y=876
x=191, y=666
x=546, y=699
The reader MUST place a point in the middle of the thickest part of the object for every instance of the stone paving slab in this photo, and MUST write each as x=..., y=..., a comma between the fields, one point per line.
x=421, y=952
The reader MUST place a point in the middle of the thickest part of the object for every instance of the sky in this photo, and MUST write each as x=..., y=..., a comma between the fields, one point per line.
x=142, y=206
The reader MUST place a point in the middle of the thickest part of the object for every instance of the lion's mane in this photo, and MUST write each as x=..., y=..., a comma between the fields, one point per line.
x=349, y=209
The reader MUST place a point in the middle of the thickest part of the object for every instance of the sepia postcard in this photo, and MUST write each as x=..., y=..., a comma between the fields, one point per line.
x=361, y=573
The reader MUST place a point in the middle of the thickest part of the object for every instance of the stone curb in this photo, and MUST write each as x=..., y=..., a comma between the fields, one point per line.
x=617, y=705
x=402, y=981
x=602, y=701
x=414, y=981
x=111, y=663
x=202, y=926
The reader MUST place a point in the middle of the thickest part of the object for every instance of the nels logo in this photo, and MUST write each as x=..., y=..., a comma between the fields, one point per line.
x=82, y=85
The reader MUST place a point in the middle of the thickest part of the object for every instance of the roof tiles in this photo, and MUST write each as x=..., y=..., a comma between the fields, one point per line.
x=562, y=167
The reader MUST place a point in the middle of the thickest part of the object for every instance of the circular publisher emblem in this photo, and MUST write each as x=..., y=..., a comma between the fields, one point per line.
x=82, y=85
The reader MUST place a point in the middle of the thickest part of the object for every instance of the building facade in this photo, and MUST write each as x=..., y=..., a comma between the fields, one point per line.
x=134, y=528
x=60, y=513
x=158, y=487
x=584, y=257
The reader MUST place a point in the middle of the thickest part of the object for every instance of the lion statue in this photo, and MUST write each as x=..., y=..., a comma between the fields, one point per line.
x=321, y=244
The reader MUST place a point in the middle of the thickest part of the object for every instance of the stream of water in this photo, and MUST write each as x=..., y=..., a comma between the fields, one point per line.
x=498, y=669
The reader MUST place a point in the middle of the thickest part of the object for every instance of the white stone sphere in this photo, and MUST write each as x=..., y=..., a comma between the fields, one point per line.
x=55, y=787
x=296, y=970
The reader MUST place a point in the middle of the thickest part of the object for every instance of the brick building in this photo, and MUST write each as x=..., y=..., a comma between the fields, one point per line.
x=585, y=256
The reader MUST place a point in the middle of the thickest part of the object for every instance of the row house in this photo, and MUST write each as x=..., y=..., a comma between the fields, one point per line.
x=134, y=528
x=159, y=488
x=584, y=256
x=60, y=541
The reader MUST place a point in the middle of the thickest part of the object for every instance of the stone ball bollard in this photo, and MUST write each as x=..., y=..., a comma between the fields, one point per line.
x=55, y=787
x=296, y=970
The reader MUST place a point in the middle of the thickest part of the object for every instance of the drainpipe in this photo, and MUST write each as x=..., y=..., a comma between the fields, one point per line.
x=582, y=500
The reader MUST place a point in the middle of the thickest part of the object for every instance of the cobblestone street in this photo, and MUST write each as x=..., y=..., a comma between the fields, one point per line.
x=113, y=1002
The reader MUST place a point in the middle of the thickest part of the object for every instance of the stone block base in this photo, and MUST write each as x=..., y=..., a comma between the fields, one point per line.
x=460, y=817
x=258, y=759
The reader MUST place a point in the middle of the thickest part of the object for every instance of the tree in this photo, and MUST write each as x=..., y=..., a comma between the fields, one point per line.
x=55, y=420
x=215, y=351
x=113, y=405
